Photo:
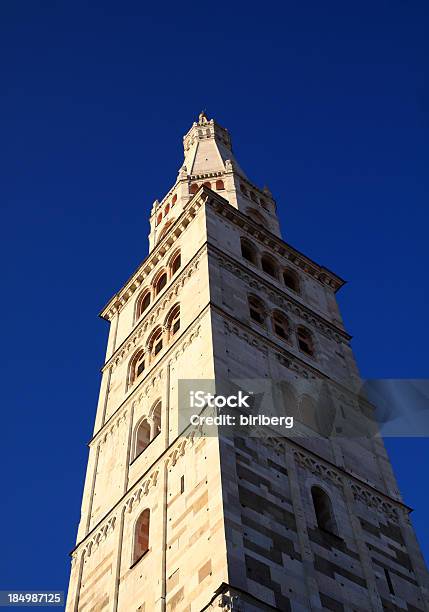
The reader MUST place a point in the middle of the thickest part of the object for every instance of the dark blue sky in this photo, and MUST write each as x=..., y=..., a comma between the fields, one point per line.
x=328, y=103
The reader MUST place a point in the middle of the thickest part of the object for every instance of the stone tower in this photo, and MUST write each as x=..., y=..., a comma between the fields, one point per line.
x=180, y=521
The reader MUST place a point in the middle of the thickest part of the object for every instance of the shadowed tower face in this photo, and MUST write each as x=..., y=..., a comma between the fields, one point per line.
x=173, y=520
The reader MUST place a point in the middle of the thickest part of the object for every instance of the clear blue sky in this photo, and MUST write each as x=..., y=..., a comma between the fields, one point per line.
x=328, y=103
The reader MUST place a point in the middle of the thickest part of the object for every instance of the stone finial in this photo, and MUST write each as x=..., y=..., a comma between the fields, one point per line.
x=202, y=118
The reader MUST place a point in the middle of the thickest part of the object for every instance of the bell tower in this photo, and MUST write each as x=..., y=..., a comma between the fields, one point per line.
x=175, y=520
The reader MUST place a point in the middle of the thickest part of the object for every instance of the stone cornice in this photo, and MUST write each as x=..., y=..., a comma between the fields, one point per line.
x=289, y=360
x=206, y=195
x=281, y=298
x=277, y=245
x=305, y=458
x=161, y=304
x=361, y=490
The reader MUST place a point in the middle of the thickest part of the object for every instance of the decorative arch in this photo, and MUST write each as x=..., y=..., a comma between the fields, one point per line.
x=141, y=536
x=193, y=188
x=281, y=325
x=207, y=184
x=291, y=280
x=142, y=437
x=220, y=185
x=269, y=265
x=172, y=321
x=136, y=366
x=257, y=309
x=155, y=414
x=160, y=281
x=305, y=340
x=256, y=216
x=175, y=262
x=155, y=342
x=165, y=230
x=323, y=510
x=249, y=252
x=142, y=303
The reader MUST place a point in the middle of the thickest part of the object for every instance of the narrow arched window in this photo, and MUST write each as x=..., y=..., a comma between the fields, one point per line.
x=280, y=325
x=160, y=283
x=256, y=309
x=291, y=280
x=172, y=322
x=142, y=303
x=167, y=210
x=156, y=418
x=155, y=342
x=176, y=262
x=323, y=510
x=136, y=367
x=220, y=185
x=174, y=200
x=194, y=188
x=269, y=265
x=249, y=252
x=253, y=196
x=165, y=230
x=143, y=437
x=207, y=184
x=159, y=218
x=256, y=216
x=141, y=536
x=243, y=190
x=305, y=340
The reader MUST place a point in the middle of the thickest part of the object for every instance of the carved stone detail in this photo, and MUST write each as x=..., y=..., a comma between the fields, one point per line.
x=148, y=322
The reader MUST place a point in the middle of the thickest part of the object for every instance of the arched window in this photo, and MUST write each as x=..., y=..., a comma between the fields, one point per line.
x=264, y=204
x=164, y=230
x=323, y=510
x=136, y=367
x=143, y=303
x=207, y=184
x=159, y=218
x=141, y=536
x=166, y=210
x=280, y=324
x=156, y=418
x=160, y=283
x=256, y=216
x=155, y=342
x=253, y=196
x=194, y=188
x=220, y=185
x=175, y=264
x=174, y=200
x=243, y=190
x=256, y=309
x=305, y=340
x=172, y=322
x=249, y=252
x=143, y=437
x=291, y=280
x=269, y=265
